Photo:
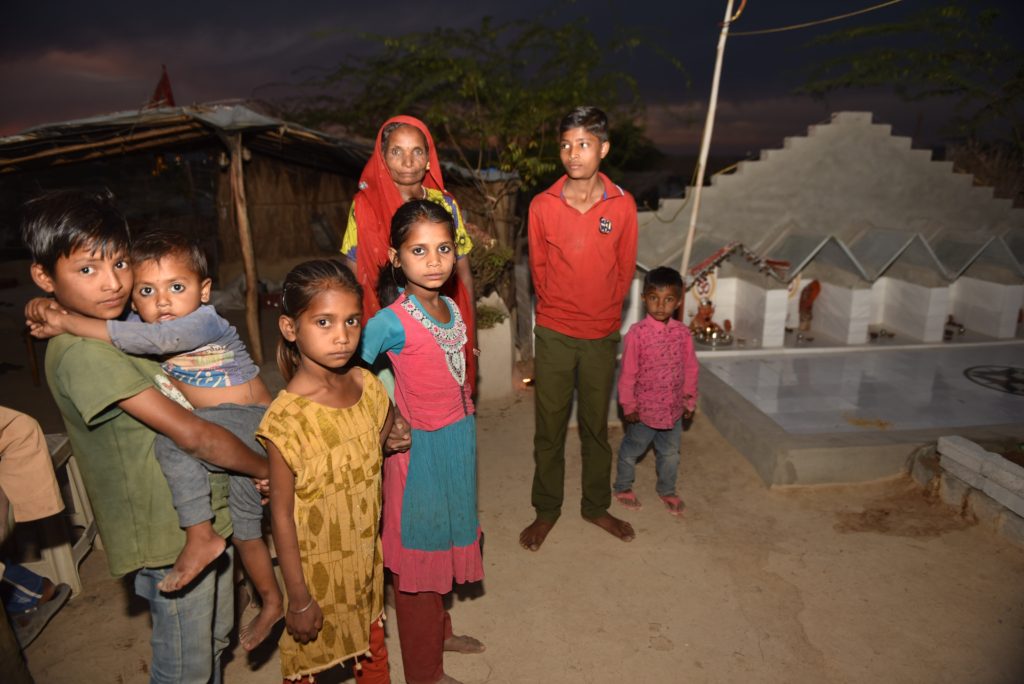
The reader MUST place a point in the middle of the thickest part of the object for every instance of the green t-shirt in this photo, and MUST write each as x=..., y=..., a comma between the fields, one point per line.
x=128, y=492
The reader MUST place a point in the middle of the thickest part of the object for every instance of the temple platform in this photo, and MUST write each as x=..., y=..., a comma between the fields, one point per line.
x=850, y=414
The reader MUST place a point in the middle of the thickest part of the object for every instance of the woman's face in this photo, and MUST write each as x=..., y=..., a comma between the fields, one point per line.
x=407, y=156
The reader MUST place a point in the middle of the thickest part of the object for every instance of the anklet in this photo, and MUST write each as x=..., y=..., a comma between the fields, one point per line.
x=302, y=610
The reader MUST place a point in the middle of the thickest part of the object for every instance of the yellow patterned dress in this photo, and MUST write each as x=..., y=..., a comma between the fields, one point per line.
x=336, y=458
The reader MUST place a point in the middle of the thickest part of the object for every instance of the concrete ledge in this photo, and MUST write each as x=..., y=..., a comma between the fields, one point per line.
x=1004, y=496
x=972, y=477
x=963, y=451
x=781, y=458
x=953, y=491
x=963, y=482
x=1005, y=473
x=999, y=478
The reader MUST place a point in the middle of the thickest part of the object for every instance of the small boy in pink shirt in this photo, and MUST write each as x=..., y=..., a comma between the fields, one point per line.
x=657, y=389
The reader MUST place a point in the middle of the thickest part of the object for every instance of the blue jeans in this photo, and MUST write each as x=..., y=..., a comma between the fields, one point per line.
x=190, y=627
x=666, y=450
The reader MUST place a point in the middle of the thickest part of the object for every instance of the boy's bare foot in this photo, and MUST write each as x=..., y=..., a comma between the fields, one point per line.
x=613, y=526
x=448, y=679
x=258, y=629
x=202, y=547
x=534, y=535
x=461, y=643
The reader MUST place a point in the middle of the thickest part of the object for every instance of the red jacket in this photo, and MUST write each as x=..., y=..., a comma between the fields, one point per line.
x=582, y=264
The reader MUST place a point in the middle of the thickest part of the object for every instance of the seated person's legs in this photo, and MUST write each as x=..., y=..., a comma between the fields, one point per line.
x=30, y=600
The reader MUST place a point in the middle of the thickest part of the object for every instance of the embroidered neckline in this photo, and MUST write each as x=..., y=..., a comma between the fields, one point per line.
x=451, y=338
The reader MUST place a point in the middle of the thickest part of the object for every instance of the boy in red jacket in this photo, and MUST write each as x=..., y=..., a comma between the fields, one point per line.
x=582, y=236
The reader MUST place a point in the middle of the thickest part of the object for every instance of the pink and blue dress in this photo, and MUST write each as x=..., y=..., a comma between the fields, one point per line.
x=431, y=534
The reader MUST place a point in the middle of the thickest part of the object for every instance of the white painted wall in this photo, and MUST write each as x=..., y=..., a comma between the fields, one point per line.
x=842, y=313
x=914, y=310
x=775, y=303
x=793, y=302
x=986, y=307
x=633, y=307
x=760, y=314
x=878, y=289
x=725, y=300
x=749, y=321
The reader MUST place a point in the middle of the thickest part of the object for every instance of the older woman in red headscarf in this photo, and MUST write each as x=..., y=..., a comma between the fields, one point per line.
x=404, y=166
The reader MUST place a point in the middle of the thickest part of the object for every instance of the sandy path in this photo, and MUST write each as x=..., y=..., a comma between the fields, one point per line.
x=867, y=583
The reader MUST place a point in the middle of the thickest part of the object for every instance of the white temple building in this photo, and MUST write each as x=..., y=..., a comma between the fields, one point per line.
x=916, y=329
x=896, y=240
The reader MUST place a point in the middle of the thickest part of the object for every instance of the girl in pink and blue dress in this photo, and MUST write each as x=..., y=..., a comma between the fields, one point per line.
x=431, y=533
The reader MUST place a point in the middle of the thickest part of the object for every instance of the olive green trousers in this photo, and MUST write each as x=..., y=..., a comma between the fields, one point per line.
x=563, y=364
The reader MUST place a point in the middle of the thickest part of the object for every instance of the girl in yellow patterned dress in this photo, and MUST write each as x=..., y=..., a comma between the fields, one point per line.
x=324, y=434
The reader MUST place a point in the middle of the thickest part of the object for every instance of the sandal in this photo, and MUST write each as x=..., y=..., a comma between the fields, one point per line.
x=628, y=500
x=674, y=504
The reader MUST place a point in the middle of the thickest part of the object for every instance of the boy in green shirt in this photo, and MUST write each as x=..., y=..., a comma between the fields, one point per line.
x=112, y=411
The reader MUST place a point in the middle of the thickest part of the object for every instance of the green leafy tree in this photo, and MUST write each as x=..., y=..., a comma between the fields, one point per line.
x=952, y=50
x=493, y=96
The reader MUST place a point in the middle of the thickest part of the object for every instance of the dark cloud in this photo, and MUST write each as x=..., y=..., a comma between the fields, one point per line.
x=72, y=59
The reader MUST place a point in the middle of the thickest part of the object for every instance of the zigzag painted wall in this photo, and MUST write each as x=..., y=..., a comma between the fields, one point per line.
x=858, y=209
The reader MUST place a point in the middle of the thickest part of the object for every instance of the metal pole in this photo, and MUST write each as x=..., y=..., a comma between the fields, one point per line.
x=705, y=143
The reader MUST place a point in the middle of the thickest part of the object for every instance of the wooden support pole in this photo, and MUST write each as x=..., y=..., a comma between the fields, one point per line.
x=252, y=283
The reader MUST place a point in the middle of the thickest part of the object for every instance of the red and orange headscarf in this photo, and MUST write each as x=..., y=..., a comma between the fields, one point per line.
x=375, y=203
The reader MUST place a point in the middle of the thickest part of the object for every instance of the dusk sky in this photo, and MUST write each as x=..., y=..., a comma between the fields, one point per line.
x=66, y=60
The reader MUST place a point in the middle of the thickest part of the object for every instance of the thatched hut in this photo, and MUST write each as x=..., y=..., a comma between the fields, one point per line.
x=261, y=193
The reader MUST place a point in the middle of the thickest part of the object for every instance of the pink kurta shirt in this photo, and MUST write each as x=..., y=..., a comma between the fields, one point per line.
x=658, y=379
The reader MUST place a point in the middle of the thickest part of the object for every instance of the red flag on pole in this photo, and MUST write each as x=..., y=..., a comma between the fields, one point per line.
x=162, y=96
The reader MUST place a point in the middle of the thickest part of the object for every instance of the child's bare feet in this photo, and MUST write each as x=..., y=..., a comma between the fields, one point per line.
x=613, y=526
x=202, y=547
x=255, y=558
x=534, y=535
x=461, y=643
x=258, y=629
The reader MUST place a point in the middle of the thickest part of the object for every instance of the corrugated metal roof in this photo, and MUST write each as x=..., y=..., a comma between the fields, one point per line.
x=126, y=132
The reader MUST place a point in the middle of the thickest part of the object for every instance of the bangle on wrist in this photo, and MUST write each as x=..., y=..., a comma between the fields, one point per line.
x=302, y=610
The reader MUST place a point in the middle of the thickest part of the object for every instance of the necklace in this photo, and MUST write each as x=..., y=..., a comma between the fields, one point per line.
x=451, y=339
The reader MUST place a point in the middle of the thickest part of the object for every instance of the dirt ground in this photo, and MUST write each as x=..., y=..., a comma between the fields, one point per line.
x=865, y=583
